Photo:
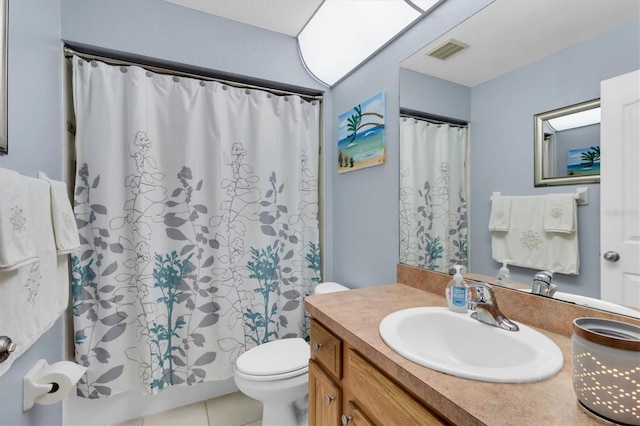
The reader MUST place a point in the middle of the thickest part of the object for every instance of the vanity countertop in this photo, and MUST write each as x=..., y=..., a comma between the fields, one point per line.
x=354, y=316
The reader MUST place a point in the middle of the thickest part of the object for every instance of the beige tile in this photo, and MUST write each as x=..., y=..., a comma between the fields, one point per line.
x=235, y=409
x=132, y=422
x=256, y=423
x=191, y=415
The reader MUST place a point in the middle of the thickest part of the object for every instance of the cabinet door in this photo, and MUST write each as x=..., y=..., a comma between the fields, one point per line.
x=384, y=401
x=325, y=398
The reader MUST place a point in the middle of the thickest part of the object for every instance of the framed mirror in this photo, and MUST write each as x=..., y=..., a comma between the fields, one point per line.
x=567, y=145
x=4, y=18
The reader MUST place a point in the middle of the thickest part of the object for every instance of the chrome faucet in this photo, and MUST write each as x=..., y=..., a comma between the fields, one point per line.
x=542, y=284
x=485, y=307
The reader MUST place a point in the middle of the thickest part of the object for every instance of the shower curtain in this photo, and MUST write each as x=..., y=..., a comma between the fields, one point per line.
x=197, y=207
x=433, y=195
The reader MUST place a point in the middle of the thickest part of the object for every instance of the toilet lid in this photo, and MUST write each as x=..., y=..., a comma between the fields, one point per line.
x=276, y=357
x=329, y=287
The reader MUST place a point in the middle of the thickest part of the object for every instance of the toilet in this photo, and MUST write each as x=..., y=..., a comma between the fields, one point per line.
x=276, y=374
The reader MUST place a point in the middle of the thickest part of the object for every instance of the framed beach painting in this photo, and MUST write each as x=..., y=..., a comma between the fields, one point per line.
x=361, y=135
x=583, y=161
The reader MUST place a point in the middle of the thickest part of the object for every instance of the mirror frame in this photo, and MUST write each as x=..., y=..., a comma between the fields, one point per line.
x=4, y=24
x=538, y=144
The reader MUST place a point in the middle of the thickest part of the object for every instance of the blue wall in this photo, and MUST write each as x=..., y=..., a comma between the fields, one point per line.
x=35, y=144
x=502, y=113
x=427, y=94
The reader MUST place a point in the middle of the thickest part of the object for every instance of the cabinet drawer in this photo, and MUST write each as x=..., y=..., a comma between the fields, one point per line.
x=326, y=349
x=356, y=417
x=384, y=401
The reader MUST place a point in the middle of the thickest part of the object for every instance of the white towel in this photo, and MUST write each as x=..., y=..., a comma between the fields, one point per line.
x=17, y=244
x=527, y=244
x=500, y=213
x=64, y=224
x=32, y=298
x=559, y=213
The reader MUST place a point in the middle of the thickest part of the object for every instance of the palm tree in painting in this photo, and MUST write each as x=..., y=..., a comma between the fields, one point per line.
x=591, y=156
x=354, y=123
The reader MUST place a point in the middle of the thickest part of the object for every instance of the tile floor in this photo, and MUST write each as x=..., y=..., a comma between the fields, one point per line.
x=234, y=409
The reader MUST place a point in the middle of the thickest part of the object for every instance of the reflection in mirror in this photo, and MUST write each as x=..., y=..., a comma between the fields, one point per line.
x=567, y=145
x=523, y=58
x=433, y=193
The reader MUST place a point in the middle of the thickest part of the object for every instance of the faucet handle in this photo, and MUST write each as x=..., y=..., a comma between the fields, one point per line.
x=483, y=291
x=486, y=308
x=544, y=276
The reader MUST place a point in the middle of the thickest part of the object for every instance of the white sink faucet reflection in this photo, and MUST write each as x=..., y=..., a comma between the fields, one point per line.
x=542, y=284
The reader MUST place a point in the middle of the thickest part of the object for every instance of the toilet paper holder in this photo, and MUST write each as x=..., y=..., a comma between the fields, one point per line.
x=38, y=384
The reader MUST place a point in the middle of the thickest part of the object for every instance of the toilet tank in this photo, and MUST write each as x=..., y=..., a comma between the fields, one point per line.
x=329, y=287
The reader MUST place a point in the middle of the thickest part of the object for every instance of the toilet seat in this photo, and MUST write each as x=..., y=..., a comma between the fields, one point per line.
x=276, y=360
x=272, y=377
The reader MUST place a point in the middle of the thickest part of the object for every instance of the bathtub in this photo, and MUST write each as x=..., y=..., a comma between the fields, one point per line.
x=130, y=405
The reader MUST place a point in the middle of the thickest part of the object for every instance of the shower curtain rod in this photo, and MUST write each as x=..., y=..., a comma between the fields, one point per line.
x=434, y=121
x=70, y=52
x=432, y=118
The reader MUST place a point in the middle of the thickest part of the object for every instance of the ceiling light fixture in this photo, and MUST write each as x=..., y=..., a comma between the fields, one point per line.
x=344, y=33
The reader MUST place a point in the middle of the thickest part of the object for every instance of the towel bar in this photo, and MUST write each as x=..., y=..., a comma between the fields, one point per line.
x=581, y=195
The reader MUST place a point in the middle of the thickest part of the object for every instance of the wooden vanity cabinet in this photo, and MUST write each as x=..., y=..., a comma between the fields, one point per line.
x=345, y=388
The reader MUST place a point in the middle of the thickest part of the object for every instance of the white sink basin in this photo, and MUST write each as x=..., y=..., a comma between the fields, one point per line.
x=590, y=302
x=459, y=345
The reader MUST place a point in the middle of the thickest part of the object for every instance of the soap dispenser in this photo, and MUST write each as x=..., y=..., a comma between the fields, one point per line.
x=504, y=277
x=456, y=293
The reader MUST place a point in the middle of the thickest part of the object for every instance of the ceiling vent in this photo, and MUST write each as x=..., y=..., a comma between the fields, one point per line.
x=447, y=49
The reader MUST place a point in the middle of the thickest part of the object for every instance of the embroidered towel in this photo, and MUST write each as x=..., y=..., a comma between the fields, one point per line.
x=527, y=244
x=500, y=213
x=33, y=297
x=64, y=224
x=17, y=245
x=559, y=213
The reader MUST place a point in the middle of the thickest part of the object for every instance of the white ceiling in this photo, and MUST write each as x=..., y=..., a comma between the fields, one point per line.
x=503, y=36
x=282, y=16
x=508, y=34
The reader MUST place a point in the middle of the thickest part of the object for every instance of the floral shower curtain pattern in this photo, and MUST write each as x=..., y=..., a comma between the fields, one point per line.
x=197, y=207
x=433, y=195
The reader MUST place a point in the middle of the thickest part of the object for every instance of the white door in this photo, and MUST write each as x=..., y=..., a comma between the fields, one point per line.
x=620, y=190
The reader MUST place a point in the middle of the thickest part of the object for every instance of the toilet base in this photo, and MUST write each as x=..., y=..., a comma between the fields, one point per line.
x=278, y=414
x=284, y=402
